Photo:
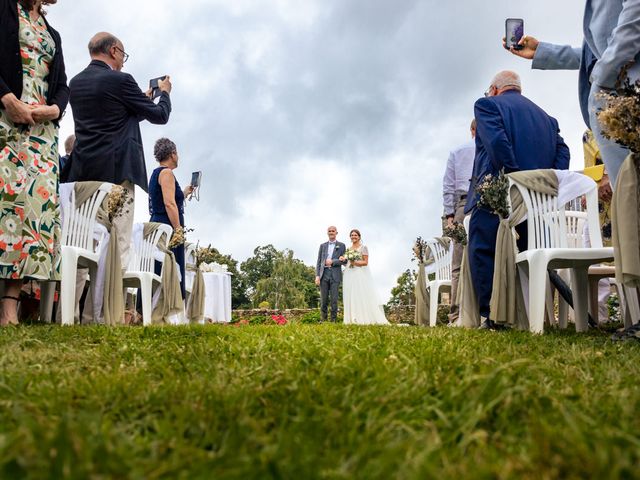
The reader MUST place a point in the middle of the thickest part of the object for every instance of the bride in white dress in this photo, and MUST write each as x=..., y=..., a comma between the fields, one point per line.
x=361, y=305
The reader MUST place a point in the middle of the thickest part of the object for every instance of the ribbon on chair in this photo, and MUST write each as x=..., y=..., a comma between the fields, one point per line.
x=422, y=297
x=195, y=305
x=170, y=301
x=625, y=222
x=109, y=268
x=469, y=310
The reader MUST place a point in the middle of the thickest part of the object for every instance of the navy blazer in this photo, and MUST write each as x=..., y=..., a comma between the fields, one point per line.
x=513, y=134
x=108, y=107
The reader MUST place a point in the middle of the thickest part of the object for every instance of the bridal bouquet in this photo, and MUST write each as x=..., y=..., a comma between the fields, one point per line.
x=352, y=255
x=493, y=191
x=457, y=233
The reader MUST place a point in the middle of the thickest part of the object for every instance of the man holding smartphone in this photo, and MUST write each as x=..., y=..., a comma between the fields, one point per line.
x=611, y=43
x=108, y=107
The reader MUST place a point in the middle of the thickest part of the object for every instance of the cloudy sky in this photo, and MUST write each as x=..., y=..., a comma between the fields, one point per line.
x=305, y=113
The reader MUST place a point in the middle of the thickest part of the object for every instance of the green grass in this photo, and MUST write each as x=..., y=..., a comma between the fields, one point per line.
x=316, y=401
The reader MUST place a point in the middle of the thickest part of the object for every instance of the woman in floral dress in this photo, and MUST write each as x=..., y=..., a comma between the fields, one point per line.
x=34, y=94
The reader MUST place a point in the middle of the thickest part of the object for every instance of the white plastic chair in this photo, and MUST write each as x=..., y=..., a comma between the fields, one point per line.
x=141, y=272
x=548, y=247
x=442, y=267
x=79, y=248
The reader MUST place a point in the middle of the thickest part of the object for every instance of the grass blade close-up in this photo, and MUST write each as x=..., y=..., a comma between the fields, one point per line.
x=316, y=401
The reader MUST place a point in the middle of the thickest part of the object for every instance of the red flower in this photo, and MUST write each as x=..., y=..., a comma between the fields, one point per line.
x=43, y=192
x=17, y=246
x=19, y=210
x=22, y=156
x=3, y=246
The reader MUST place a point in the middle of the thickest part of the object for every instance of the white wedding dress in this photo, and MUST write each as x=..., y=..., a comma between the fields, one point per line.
x=361, y=305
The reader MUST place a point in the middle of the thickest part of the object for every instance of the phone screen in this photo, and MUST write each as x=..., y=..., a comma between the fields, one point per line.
x=195, y=178
x=514, y=32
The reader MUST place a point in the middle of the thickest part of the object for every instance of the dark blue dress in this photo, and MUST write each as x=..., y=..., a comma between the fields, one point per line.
x=158, y=214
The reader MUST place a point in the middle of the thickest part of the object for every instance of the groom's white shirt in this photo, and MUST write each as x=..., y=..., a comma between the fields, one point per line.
x=331, y=247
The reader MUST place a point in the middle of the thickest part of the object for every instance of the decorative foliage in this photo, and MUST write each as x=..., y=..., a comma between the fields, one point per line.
x=493, y=191
x=116, y=200
x=457, y=233
x=420, y=250
x=620, y=119
x=179, y=236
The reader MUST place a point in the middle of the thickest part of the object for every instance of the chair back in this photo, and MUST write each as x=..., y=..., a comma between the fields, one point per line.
x=79, y=221
x=190, y=254
x=144, y=248
x=551, y=224
x=442, y=256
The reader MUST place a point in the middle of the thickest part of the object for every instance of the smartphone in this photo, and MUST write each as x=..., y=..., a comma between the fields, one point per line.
x=514, y=31
x=153, y=85
x=195, y=179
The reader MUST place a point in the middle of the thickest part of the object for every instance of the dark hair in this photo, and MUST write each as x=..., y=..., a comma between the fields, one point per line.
x=357, y=231
x=101, y=44
x=163, y=149
x=28, y=5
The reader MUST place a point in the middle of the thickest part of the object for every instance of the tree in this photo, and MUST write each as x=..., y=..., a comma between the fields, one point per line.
x=404, y=291
x=258, y=267
x=291, y=284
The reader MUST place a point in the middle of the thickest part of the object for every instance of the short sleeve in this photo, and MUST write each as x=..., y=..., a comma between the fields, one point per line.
x=365, y=250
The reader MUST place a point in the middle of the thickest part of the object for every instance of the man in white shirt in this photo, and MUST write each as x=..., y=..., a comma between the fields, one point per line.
x=455, y=187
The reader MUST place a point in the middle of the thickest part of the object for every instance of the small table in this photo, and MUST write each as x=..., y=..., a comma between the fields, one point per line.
x=217, y=297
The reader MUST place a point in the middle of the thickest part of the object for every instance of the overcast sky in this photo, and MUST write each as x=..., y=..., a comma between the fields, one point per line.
x=303, y=114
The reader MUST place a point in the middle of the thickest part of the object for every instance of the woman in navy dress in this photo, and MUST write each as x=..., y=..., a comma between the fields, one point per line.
x=166, y=199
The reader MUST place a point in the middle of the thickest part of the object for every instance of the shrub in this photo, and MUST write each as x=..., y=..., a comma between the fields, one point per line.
x=258, y=320
x=264, y=305
x=311, y=317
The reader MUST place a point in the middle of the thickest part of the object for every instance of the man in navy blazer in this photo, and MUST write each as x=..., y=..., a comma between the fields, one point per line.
x=512, y=134
x=611, y=43
x=108, y=107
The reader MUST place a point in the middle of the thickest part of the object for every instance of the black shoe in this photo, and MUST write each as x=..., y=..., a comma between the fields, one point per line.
x=631, y=333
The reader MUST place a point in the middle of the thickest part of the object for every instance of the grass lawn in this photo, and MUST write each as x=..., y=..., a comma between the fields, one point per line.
x=316, y=401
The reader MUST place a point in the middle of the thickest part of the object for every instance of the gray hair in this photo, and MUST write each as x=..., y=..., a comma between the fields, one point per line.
x=163, y=149
x=506, y=79
x=101, y=42
x=68, y=143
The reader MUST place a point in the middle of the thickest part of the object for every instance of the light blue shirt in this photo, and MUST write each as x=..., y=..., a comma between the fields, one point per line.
x=330, y=249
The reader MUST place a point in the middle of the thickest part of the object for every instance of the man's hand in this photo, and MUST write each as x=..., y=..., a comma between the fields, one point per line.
x=529, y=47
x=18, y=111
x=450, y=222
x=342, y=258
x=165, y=85
x=318, y=281
x=43, y=113
x=604, y=189
x=149, y=93
x=328, y=262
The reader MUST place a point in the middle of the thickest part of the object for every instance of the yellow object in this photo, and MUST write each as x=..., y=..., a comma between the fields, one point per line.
x=596, y=172
x=591, y=151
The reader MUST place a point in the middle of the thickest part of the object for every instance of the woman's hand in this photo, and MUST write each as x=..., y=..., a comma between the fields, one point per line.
x=188, y=190
x=18, y=111
x=44, y=113
x=341, y=258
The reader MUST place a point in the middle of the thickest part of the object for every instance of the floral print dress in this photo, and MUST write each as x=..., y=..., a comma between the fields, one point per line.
x=29, y=212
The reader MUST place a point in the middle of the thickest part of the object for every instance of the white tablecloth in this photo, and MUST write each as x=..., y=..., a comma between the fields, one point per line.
x=217, y=297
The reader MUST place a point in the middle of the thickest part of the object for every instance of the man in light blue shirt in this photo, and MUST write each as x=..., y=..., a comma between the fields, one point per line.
x=611, y=43
x=455, y=186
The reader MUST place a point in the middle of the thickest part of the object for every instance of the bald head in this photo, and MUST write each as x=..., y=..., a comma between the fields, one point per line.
x=506, y=80
x=101, y=43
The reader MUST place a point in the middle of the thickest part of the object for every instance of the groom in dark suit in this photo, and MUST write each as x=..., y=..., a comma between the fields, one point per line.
x=329, y=273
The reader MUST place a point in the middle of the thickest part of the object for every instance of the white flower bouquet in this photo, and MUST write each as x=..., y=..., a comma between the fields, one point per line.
x=352, y=255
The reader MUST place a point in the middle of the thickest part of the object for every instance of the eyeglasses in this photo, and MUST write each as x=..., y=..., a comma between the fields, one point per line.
x=488, y=91
x=125, y=55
